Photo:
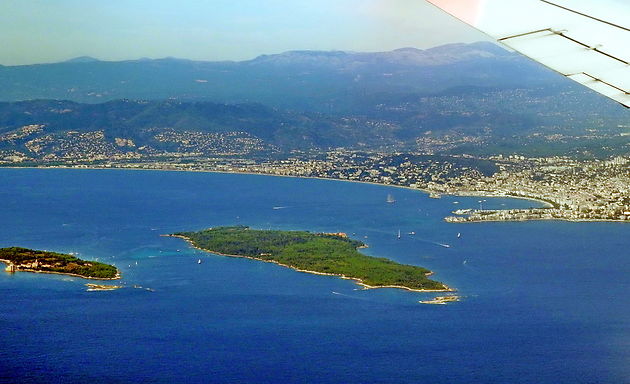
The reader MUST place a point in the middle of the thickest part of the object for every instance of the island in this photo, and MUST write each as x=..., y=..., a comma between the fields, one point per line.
x=441, y=300
x=318, y=253
x=101, y=287
x=29, y=260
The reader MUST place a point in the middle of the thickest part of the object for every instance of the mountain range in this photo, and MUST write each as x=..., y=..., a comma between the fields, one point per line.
x=302, y=80
x=472, y=93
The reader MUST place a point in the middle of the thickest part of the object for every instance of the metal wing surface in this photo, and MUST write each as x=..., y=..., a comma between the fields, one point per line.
x=585, y=40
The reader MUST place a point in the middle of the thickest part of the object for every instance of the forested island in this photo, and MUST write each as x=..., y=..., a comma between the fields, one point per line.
x=319, y=253
x=29, y=260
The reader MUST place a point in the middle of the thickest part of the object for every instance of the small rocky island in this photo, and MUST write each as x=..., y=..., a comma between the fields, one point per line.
x=101, y=287
x=441, y=300
x=29, y=260
x=318, y=253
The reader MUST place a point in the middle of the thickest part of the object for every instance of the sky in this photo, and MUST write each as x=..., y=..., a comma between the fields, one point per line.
x=40, y=31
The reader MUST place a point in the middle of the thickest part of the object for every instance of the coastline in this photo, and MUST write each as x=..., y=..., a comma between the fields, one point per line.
x=547, y=204
x=422, y=190
x=117, y=277
x=540, y=219
x=357, y=280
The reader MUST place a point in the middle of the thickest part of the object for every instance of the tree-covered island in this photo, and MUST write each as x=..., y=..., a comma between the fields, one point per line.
x=320, y=253
x=29, y=260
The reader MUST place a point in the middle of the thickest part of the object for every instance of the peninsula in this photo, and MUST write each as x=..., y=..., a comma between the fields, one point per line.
x=319, y=253
x=29, y=260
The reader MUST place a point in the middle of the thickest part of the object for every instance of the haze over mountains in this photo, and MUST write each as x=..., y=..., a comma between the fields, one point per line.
x=306, y=99
x=304, y=80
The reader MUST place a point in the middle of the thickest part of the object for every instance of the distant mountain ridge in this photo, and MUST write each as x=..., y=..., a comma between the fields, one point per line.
x=457, y=97
x=81, y=59
x=439, y=55
x=442, y=55
x=320, y=81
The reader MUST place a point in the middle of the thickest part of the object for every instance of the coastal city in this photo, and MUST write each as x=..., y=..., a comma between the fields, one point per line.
x=568, y=188
x=577, y=190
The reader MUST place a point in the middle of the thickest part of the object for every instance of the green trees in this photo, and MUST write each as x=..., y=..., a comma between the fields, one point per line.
x=30, y=259
x=325, y=253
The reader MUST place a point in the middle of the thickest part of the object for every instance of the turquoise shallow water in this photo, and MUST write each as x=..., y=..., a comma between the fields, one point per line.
x=544, y=302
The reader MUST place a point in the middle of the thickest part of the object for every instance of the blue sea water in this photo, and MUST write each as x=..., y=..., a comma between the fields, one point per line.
x=543, y=302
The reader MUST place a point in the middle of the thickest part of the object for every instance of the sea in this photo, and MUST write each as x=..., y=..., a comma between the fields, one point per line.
x=541, y=302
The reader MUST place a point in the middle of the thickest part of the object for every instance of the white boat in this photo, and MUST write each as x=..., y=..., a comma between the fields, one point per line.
x=459, y=235
x=399, y=233
x=199, y=261
x=390, y=198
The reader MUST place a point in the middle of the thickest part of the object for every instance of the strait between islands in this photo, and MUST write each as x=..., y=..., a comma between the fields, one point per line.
x=331, y=254
x=318, y=253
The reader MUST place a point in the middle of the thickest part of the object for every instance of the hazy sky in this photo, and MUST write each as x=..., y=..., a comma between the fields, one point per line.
x=35, y=31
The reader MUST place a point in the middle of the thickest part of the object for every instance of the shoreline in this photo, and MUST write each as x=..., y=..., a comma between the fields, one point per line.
x=117, y=277
x=426, y=191
x=539, y=219
x=357, y=280
x=547, y=204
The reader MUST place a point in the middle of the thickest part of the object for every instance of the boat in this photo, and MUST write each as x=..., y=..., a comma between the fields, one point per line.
x=399, y=234
x=459, y=235
x=199, y=261
x=390, y=198
x=411, y=233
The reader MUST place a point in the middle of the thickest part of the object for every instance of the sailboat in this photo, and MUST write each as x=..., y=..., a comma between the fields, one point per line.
x=199, y=261
x=390, y=198
x=399, y=234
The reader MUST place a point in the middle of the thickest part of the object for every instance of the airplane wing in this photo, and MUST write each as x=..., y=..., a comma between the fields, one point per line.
x=585, y=40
